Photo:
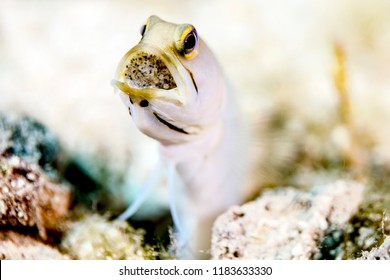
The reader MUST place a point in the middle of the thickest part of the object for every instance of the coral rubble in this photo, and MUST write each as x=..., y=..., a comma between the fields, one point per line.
x=29, y=198
x=285, y=223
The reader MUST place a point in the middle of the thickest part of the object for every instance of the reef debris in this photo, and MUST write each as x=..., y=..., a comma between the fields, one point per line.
x=285, y=223
x=28, y=198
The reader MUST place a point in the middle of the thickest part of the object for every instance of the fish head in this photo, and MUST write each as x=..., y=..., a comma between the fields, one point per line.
x=171, y=82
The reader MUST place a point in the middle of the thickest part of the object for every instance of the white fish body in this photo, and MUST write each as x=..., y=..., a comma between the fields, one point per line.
x=176, y=94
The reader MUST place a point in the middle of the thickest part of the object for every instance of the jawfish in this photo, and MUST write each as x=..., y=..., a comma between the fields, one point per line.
x=176, y=94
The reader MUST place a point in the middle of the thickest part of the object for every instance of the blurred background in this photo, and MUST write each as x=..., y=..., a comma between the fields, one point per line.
x=317, y=71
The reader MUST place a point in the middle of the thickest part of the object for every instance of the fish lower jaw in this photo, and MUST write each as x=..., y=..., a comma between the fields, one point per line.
x=149, y=93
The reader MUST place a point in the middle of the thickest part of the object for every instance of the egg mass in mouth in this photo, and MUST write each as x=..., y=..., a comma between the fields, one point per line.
x=146, y=70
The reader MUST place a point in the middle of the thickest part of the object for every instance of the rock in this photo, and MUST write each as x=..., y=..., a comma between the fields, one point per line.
x=96, y=238
x=29, y=140
x=28, y=198
x=368, y=228
x=381, y=253
x=285, y=223
x=15, y=246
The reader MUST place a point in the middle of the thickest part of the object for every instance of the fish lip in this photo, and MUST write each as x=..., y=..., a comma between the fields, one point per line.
x=148, y=93
x=176, y=95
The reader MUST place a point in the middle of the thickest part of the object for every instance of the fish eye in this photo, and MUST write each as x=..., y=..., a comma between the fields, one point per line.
x=142, y=29
x=186, y=40
x=190, y=42
x=145, y=27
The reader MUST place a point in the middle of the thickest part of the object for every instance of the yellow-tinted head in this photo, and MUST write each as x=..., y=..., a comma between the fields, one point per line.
x=170, y=81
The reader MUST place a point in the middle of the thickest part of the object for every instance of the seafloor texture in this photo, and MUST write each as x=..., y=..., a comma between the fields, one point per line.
x=95, y=238
x=29, y=199
x=311, y=79
x=341, y=220
x=16, y=246
x=381, y=253
x=286, y=223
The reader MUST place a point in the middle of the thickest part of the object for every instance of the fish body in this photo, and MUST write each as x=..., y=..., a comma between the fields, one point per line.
x=176, y=94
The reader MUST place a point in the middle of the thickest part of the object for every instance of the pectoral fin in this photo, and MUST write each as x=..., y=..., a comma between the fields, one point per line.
x=150, y=183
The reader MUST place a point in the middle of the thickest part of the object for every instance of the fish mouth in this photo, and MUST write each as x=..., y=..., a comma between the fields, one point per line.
x=147, y=73
x=145, y=70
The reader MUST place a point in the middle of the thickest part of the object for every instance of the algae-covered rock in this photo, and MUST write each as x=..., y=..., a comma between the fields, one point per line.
x=380, y=253
x=37, y=185
x=30, y=140
x=285, y=223
x=367, y=229
x=28, y=198
x=95, y=238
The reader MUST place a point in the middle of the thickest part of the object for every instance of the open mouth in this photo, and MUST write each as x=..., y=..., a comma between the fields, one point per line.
x=143, y=75
x=146, y=70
